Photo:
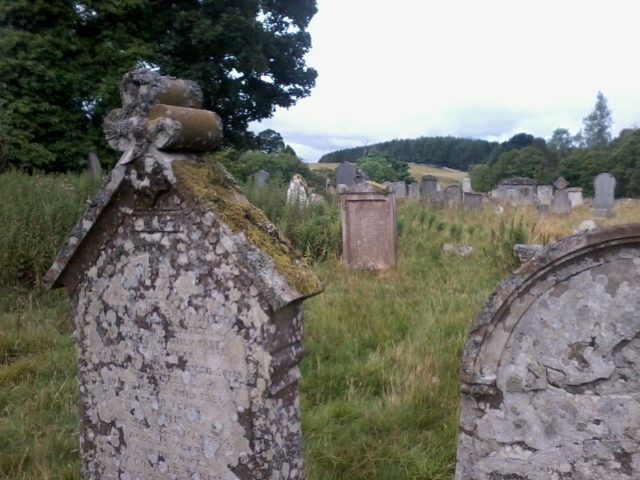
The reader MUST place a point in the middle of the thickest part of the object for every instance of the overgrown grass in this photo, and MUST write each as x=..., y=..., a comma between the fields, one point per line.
x=380, y=388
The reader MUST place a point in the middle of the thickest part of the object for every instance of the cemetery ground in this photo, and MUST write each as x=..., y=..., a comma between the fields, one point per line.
x=380, y=375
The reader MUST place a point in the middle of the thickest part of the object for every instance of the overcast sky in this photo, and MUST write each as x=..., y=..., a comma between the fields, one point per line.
x=471, y=68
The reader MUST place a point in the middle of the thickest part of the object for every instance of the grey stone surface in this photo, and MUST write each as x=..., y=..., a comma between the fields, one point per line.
x=604, y=204
x=453, y=196
x=93, y=165
x=466, y=184
x=188, y=316
x=346, y=174
x=560, y=204
x=544, y=194
x=413, y=191
x=516, y=191
x=261, y=178
x=298, y=191
x=472, y=201
x=550, y=373
x=575, y=196
x=400, y=189
x=527, y=252
x=429, y=185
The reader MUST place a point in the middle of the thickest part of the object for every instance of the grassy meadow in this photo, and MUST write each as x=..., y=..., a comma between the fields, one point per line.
x=380, y=387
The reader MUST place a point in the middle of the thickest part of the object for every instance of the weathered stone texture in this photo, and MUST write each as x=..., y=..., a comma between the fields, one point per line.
x=188, y=323
x=551, y=388
x=369, y=236
x=604, y=202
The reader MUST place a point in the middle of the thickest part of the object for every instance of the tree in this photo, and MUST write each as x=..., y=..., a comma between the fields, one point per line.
x=597, y=125
x=270, y=141
x=61, y=62
x=560, y=141
x=379, y=167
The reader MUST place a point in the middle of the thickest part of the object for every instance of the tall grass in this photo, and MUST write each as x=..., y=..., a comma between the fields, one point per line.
x=380, y=377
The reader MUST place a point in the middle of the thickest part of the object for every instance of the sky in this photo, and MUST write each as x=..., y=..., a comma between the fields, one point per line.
x=470, y=68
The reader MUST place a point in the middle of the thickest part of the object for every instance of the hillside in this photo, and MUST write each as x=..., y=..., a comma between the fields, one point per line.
x=417, y=171
x=453, y=152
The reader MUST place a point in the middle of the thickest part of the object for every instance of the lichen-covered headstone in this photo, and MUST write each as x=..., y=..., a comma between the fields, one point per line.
x=466, y=184
x=298, y=191
x=604, y=201
x=575, y=196
x=400, y=189
x=187, y=307
x=471, y=201
x=551, y=367
x=560, y=204
x=369, y=236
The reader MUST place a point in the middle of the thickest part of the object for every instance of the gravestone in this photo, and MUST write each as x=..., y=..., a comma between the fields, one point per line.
x=346, y=174
x=429, y=185
x=187, y=305
x=400, y=189
x=604, y=203
x=560, y=204
x=413, y=191
x=575, y=196
x=369, y=237
x=471, y=201
x=550, y=372
x=516, y=191
x=261, y=178
x=466, y=184
x=544, y=194
x=94, y=167
x=298, y=191
x=436, y=200
x=453, y=196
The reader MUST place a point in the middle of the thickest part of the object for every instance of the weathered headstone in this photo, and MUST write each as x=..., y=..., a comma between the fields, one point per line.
x=346, y=174
x=261, y=178
x=560, y=204
x=453, y=196
x=188, y=308
x=369, y=237
x=400, y=189
x=544, y=194
x=436, y=200
x=93, y=164
x=413, y=191
x=471, y=201
x=466, y=184
x=516, y=191
x=604, y=203
x=550, y=374
x=575, y=196
x=298, y=191
x=429, y=185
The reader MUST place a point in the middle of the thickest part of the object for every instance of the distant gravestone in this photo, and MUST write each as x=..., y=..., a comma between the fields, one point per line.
x=575, y=196
x=516, y=191
x=346, y=174
x=413, y=191
x=551, y=367
x=471, y=201
x=429, y=185
x=400, y=189
x=604, y=201
x=94, y=167
x=298, y=191
x=436, y=200
x=560, y=204
x=466, y=184
x=453, y=196
x=261, y=178
x=187, y=304
x=544, y=194
x=369, y=237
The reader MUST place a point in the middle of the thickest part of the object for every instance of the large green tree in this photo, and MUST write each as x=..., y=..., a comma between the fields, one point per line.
x=61, y=62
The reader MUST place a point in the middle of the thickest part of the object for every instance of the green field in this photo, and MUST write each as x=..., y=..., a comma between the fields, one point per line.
x=380, y=387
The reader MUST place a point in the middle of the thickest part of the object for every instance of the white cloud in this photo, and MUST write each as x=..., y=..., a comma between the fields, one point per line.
x=485, y=69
